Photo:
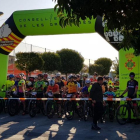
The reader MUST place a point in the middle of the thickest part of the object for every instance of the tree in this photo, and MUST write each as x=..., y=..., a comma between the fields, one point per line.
x=71, y=61
x=28, y=62
x=115, y=66
x=106, y=63
x=119, y=14
x=95, y=68
x=52, y=61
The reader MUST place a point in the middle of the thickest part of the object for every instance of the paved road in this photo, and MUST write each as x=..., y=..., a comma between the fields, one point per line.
x=41, y=128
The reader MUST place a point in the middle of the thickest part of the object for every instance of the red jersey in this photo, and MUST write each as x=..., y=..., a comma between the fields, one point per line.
x=54, y=88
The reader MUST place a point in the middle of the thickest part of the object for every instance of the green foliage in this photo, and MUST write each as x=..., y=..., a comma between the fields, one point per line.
x=120, y=14
x=96, y=68
x=106, y=63
x=52, y=61
x=115, y=66
x=71, y=61
x=29, y=61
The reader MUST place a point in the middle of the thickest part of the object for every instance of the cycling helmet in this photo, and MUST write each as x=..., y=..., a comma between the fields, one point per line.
x=29, y=83
x=21, y=74
x=95, y=73
x=51, y=82
x=45, y=75
x=85, y=75
x=58, y=74
x=74, y=76
x=40, y=75
x=77, y=75
x=11, y=76
x=70, y=76
x=88, y=81
x=132, y=74
x=63, y=78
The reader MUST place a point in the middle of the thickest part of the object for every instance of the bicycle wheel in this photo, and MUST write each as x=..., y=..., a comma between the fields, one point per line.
x=13, y=107
x=1, y=106
x=86, y=111
x=50, y=109
x=80, y=110
x=32, y=108
x=122, y=113
x=69, y=110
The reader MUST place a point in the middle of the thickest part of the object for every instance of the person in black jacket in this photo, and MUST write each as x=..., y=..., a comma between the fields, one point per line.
x=97, y=99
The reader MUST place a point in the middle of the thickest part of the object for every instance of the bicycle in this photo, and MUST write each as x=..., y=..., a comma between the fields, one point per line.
x=72, y=107
x=15, y=105
x=35, y=106
x=125, y=110
x=52, y=107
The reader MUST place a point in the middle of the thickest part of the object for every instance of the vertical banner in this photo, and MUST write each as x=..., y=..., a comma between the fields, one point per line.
x=128, y=62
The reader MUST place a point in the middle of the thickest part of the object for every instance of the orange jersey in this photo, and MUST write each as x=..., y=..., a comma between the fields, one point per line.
x=54, y=88
x=72, y=87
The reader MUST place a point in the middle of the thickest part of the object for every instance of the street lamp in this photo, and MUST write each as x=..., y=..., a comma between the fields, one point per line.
x=1, y=13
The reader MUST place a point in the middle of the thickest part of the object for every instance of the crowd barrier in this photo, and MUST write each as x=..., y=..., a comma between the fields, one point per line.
x=74, y=99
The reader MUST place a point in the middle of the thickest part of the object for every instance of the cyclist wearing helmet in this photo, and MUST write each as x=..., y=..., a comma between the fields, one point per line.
x=86, y=89
x=79, y=80
x=53, y=89
x=9, y=84
x=78, y=84
x=95, y=77
x=132, y=88
x=85, y=76
x=71, y=85
x=45, y=81
x=59, y=82
x=39, y=86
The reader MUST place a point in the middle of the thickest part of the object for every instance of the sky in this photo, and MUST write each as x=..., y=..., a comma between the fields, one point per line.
x=91, y=46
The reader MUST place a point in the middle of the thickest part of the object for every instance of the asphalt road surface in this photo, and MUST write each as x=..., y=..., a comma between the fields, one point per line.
x=41, y=128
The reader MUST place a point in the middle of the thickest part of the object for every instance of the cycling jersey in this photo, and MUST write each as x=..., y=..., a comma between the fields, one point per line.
x=20, y=84
x=72, y=87
x=54, y=88
x=86, y=89
x=110, y=94
x=60, y=83
x=131, y=86
x=39, y=86
x=9, y=85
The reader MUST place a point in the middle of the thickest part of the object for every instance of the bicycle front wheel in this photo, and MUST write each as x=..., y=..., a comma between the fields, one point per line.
x=122, y=114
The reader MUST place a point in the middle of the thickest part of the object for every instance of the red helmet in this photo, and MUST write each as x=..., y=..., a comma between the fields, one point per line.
x=18, y=76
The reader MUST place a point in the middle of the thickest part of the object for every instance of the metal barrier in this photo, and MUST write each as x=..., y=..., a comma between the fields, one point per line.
x=74, y=99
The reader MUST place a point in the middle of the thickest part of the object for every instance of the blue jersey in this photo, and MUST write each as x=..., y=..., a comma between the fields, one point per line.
x=110, y=94
x=85, y=89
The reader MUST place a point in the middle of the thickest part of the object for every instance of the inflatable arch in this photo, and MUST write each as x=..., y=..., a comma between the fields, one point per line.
x=45, y=22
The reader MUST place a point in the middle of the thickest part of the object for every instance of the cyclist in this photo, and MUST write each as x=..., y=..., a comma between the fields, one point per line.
x=132, y=88
x=85, y=76
x=45, y=81
x=53, y=89
x=79, y=80
x=86, y=89
x=39, y=88
x=59, y=82
x=95, y=77
x=72, y=86
x=9, y=84
x=21, y=90
x=78, y=84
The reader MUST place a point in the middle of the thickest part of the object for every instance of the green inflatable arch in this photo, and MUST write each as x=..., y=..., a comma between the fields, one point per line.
x=45, y=22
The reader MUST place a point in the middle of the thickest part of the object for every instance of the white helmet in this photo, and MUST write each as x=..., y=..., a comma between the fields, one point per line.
x=29, y=83
x=51, y=82
x=88, y=81
x=58, y=74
